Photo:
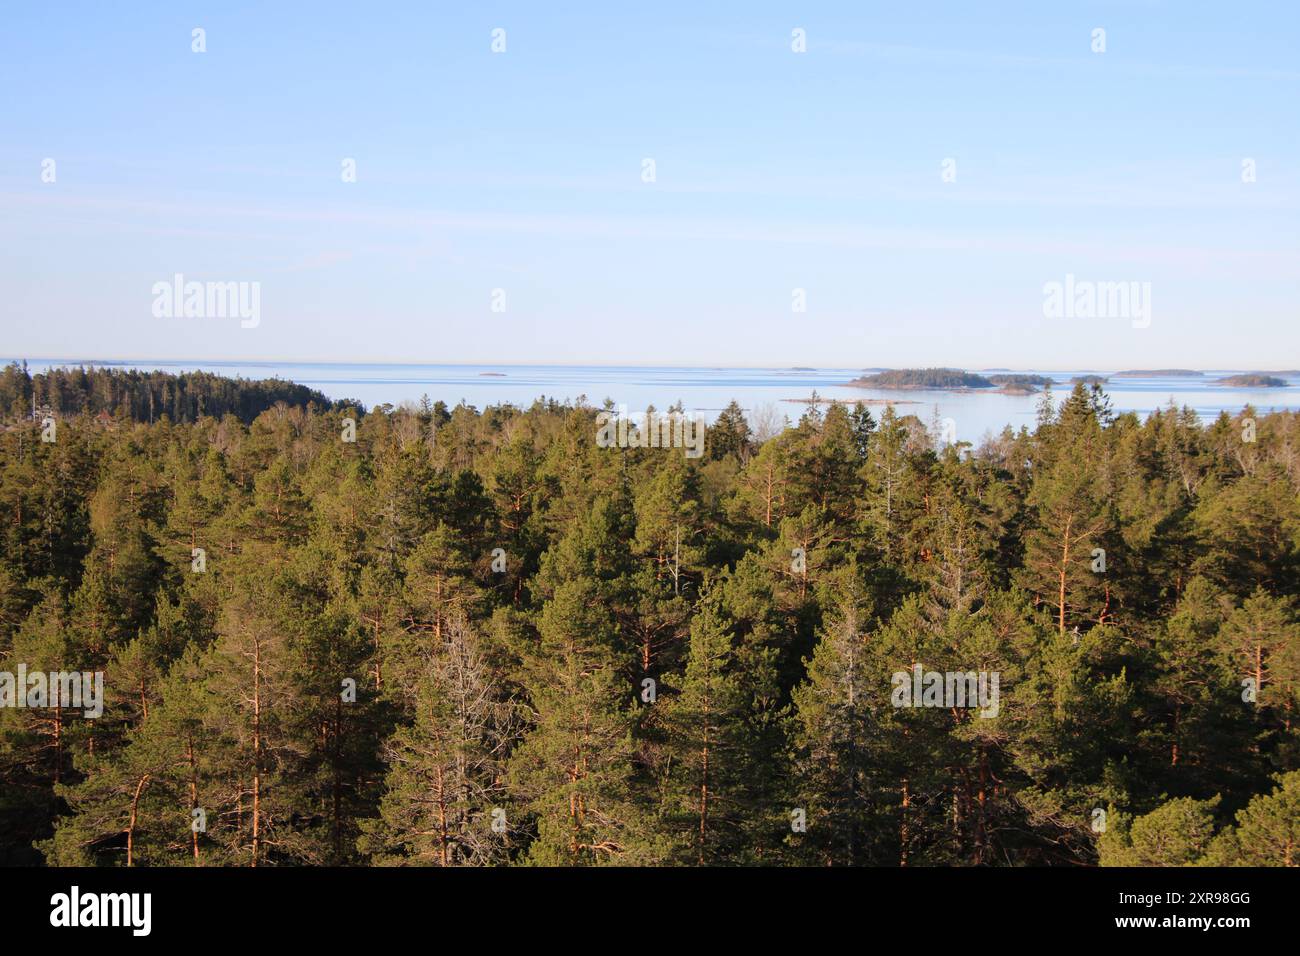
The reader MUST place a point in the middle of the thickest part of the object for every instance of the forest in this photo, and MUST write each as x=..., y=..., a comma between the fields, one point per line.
x=135, y=395
x=439, y=637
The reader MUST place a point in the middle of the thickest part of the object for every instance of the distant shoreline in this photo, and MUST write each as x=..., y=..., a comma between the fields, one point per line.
x=955, y=380
x=148, y=363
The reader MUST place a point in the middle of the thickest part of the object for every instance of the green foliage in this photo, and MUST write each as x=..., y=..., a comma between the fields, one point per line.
x=135, y=395
x=477, y=638
x=925, y=378
x=1177, y=833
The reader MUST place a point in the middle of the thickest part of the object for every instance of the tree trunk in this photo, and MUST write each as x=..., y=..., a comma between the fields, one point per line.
x=194, y=797
x=257, y=748
x=130, y=827
x=902, y=827
x=1065, y=564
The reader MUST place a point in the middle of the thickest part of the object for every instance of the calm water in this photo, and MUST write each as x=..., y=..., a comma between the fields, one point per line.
x=708, y=390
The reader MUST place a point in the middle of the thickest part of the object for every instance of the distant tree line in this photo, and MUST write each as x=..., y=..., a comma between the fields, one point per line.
x=925, y=378
x=1020, y=380
x=1253, y=380
x=141, y=396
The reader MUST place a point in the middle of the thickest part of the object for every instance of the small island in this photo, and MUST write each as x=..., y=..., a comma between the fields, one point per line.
x=1254, y=380
x=924, y=378
x=1020, y=384
x=492, y=374
x=1089, y=380
x=850, y=402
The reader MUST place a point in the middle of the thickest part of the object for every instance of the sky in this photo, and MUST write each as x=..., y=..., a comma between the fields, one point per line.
x=914, y=179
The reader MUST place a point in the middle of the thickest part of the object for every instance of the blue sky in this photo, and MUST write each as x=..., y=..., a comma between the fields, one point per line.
x=775, y=170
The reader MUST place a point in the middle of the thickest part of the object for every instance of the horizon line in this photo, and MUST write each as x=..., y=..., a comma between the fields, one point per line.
x=84, y=361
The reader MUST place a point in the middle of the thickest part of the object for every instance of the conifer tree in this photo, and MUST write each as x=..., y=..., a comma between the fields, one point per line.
x=1267, y=832
x=445, y=802
x=706, y=795
x=574, y=770
x=836, y=742
x=1177, y=833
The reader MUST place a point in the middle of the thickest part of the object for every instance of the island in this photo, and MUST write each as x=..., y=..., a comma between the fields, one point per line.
x=924, y=378
x=850, y=402
x=1020, y=384
x=1253, y=380
x=1089, y=380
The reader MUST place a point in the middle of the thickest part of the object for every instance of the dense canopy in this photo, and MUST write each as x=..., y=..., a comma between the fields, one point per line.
x=476, y=637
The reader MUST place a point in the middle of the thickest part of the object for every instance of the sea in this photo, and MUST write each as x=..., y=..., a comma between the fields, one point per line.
x=768, y=392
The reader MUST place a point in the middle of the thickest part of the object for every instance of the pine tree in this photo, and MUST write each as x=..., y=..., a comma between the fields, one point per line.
x=1262, y=641
x=1177, y=833
x=730, y=435
x=836, y=742
x=445, y=802
x=706, y=793
x=1072, y=517
x=1267, y=832
x=252, y=698
x=574, y=769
